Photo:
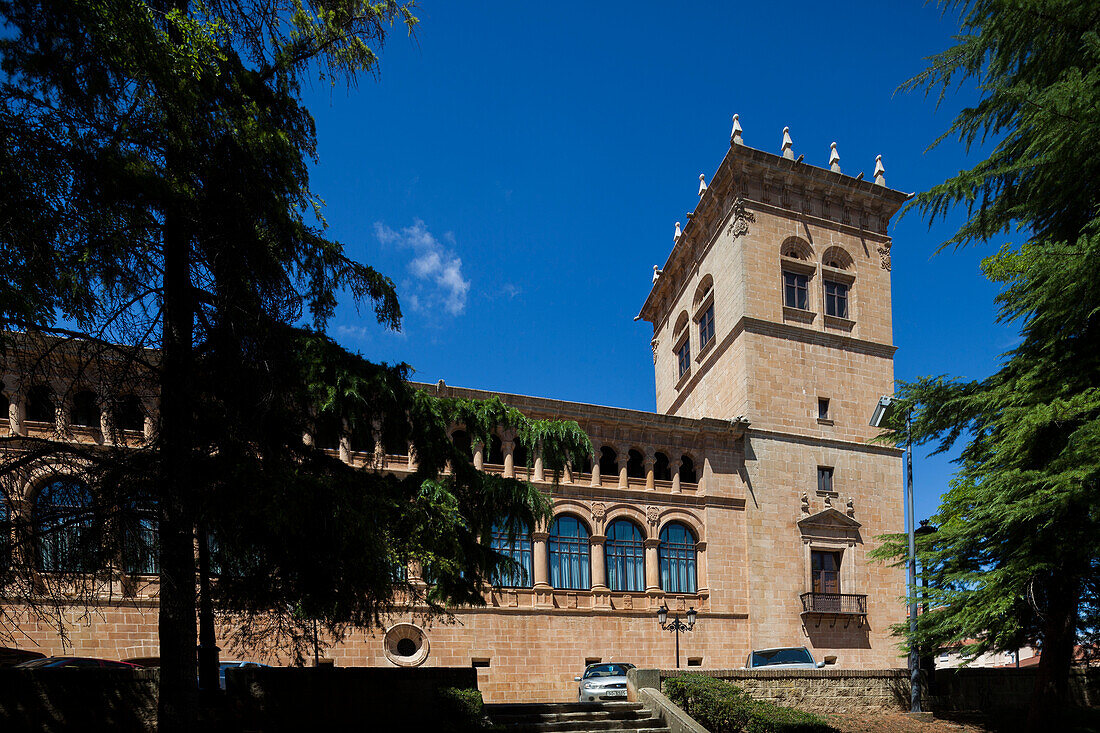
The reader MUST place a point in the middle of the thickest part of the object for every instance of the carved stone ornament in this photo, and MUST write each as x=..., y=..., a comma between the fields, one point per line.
x=805, y=504
x=599, y=511
x=654, y=344
x=652, y=513
x=739, y=226
x=884, y=255
x=851, y=507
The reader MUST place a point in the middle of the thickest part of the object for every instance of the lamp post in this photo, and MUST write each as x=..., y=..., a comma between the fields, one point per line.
x=676, y=626
x=883, y=411
x=927, y=664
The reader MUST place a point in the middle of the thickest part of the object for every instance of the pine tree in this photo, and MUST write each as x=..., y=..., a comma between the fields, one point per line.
x=154, y=194
x=1016, y=557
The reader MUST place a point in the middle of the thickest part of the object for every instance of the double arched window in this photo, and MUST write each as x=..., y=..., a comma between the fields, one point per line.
x=625, y=553
x=676, y=555
x=140, y=540
x=569, y=554
x=63, y=514
x=516, y=546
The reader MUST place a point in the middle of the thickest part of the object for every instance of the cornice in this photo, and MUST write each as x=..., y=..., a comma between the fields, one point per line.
x=749, y=175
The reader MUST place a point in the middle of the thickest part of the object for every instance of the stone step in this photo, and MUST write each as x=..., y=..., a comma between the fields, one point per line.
x=649, y=725
x=513, y=708
x=554, y=717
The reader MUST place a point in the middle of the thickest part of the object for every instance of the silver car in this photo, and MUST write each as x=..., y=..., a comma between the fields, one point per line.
x=788, y=657
x=603, y=681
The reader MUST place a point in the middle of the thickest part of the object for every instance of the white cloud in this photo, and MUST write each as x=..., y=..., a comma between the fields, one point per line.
x=437, y=268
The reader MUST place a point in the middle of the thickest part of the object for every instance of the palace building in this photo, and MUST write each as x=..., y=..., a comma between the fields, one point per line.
x=753, y=494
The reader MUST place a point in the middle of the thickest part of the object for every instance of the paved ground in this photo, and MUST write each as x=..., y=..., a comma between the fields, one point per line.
x=1085, y=722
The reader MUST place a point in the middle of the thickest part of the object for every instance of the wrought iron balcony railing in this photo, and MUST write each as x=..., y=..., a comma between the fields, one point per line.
x=849, y=604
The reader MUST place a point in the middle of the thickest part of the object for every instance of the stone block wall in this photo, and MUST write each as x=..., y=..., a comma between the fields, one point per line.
x=819, y=690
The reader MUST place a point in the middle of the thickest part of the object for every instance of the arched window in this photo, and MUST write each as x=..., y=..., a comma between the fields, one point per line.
x=495, y=454
x=701, y=292
x=796, y=249
x=326, y=434
x=661, y=470
x=609, y=461
x=85, y=411
x=569, y=554
x=625, y=553
x=461, y=440
x=519, y=453
x=677, y=559
x=361, y=438
x=40, y=404
x=64, y=521
x=585, y=465
x=129, y=414
x=141, y=541
x=635, y=464
x=837, y=258
x=687, y=470
x=518, y=547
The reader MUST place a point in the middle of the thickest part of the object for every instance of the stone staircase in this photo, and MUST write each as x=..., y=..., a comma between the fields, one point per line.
x=574, y=717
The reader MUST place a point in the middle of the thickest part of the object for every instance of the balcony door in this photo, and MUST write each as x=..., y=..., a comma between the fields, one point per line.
x=825, y=570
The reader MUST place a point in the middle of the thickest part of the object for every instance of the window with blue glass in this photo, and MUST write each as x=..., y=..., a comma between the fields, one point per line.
x=517, y=546
x=677, y=559
x=625, y=554
x=569, y=554
x=706, y=327
x=683, y=357
x=64, y=524
x=141, y=541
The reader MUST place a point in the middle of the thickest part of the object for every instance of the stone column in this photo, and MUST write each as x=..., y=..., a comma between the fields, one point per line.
x=343, y=448
x=675, y=467
x=701, y=567
x=538, y=468
x=542, y=560
x=412, y=457
x=622, y=471
x=106, y=421
x=17, y=413
x=650, y=459
x=509, y=450
x=599, y=563
x=479, y=455
x=652, y=574
x=62, y=413
x=595, y=471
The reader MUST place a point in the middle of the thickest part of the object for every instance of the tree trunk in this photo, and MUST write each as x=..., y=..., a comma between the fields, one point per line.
x=1051, y=695
x=178, y=693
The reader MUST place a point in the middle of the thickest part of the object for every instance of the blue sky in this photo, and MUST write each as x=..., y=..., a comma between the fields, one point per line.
x=517, y=170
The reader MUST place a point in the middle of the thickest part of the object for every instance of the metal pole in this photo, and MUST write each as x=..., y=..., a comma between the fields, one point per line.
x=914, y=654
x=677, y=627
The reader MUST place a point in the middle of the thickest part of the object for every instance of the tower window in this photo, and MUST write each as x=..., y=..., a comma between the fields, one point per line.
x=825, y=479
x=836, y=299
x=683, y=357
x=795, y=290
x=822, y=408
x=706, y=327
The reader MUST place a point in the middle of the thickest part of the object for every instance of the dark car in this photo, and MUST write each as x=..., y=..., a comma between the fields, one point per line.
x=75, y=663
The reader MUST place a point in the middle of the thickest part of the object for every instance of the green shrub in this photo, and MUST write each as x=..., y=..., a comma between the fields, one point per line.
x=461, y=709
x=721, y=707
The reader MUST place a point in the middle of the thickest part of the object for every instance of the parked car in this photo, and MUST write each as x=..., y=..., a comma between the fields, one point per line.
x=603, y=681
x=787, y=657
x=75, y=663
x=222, y=666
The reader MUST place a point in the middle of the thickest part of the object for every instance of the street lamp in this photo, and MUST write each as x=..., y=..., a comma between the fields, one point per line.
x=676, y=626
x=884, y=411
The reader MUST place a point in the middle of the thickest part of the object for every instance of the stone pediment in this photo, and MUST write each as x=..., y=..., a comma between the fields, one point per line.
x=829, y=519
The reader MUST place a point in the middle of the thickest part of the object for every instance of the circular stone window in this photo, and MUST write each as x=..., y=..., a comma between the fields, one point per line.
x=406, y=645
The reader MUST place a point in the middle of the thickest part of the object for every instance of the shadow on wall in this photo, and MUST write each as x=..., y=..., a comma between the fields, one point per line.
x=50, y=700
x=833, y=635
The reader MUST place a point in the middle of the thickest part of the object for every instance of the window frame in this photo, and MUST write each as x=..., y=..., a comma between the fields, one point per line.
x=624, y=557
x=562, y=547
x=802, y=289
x=678, y=562
x=837, y=303
x=521, y=549
x=683, y=357
x=706, y=326
x=825, y=479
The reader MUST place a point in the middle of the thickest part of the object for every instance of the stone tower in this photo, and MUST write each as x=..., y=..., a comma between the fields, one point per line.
x=774, y=308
